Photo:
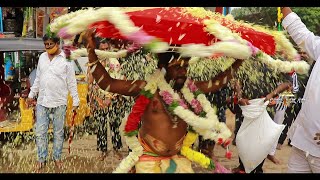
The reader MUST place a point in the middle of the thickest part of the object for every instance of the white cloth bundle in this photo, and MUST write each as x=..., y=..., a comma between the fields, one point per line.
x=257, y=134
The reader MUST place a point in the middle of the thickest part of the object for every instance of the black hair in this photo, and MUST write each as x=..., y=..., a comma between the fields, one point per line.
x=311, y=67
x=76, y=39
x=53, y=38
x=287, y=77
x=97, y=41
x=166, y=57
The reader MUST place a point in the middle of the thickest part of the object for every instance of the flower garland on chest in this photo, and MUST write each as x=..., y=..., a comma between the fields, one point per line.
x=203, y=120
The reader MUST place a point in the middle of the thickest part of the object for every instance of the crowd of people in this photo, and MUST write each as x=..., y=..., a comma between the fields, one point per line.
x=161, y=132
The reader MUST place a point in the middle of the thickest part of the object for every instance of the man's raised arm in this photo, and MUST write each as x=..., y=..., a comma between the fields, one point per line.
x=300, y=34
x=101, y=76
x=220, y=80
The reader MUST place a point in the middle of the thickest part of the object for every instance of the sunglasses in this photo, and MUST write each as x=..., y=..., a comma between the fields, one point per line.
x=49, y=44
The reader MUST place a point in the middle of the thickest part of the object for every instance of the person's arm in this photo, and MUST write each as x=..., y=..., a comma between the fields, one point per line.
x=238, y=89
x=220, y=80
x=278, y=90
x=300, y=34
x=34, y=90
x=72, y=85
x=231, y=105
x=103, y=79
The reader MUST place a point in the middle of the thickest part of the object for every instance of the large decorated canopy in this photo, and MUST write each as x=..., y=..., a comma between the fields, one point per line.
x=178, y=25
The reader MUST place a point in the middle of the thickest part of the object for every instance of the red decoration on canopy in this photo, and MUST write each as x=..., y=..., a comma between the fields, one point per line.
x=175, y=26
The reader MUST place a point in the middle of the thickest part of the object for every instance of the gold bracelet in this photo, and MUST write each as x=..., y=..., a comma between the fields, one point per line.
x=93, y=63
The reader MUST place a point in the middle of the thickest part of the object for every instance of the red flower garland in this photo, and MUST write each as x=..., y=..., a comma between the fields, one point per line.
x=228, y=154
x=134, y=117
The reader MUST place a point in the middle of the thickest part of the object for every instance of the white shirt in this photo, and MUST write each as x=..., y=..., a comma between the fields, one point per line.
x=307, y=123
x=54, y=80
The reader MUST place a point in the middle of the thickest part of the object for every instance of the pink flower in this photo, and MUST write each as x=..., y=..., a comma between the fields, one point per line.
x=111, y=66
x=64, y=34
x=140, y=37
x=220, y=168
x=133, y=48
x=167, y=97
x=67, y=50
x=183, y=104
x=253, y=49
x=196, y=106
x=192, y=87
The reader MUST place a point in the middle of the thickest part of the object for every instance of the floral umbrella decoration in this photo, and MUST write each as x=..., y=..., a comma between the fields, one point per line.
x=177, y=25
x=231, y=44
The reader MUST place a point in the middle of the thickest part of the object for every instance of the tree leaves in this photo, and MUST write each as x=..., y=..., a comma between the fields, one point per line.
x=267, y=16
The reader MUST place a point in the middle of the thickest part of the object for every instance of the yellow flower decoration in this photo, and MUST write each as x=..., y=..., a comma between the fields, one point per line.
x=194, y=155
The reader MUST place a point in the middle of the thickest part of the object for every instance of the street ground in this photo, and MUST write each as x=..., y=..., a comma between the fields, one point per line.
x=84, y=157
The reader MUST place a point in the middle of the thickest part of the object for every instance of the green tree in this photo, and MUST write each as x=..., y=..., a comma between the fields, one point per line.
x=267, y=16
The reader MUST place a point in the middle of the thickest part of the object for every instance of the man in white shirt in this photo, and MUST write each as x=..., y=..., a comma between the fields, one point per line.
x=55, y=78
x=305, y=154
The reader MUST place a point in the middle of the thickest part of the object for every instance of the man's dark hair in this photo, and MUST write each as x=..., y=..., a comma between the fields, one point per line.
x=164, y=58
x=99, y=40
x=53, y=38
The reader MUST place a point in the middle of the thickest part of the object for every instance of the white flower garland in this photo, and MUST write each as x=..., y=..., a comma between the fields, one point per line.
x=209, y=127
x=66, y=19
x=113, y=14
x=207, y=131
x=101, y=54
x=209, y=123
x=137, y=150
x=229, y=49
x=300, y=67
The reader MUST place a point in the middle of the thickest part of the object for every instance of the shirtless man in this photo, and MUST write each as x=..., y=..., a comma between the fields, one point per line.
x=157, y=129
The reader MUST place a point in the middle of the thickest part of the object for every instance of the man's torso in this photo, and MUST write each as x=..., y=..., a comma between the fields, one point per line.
x=162, y=131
